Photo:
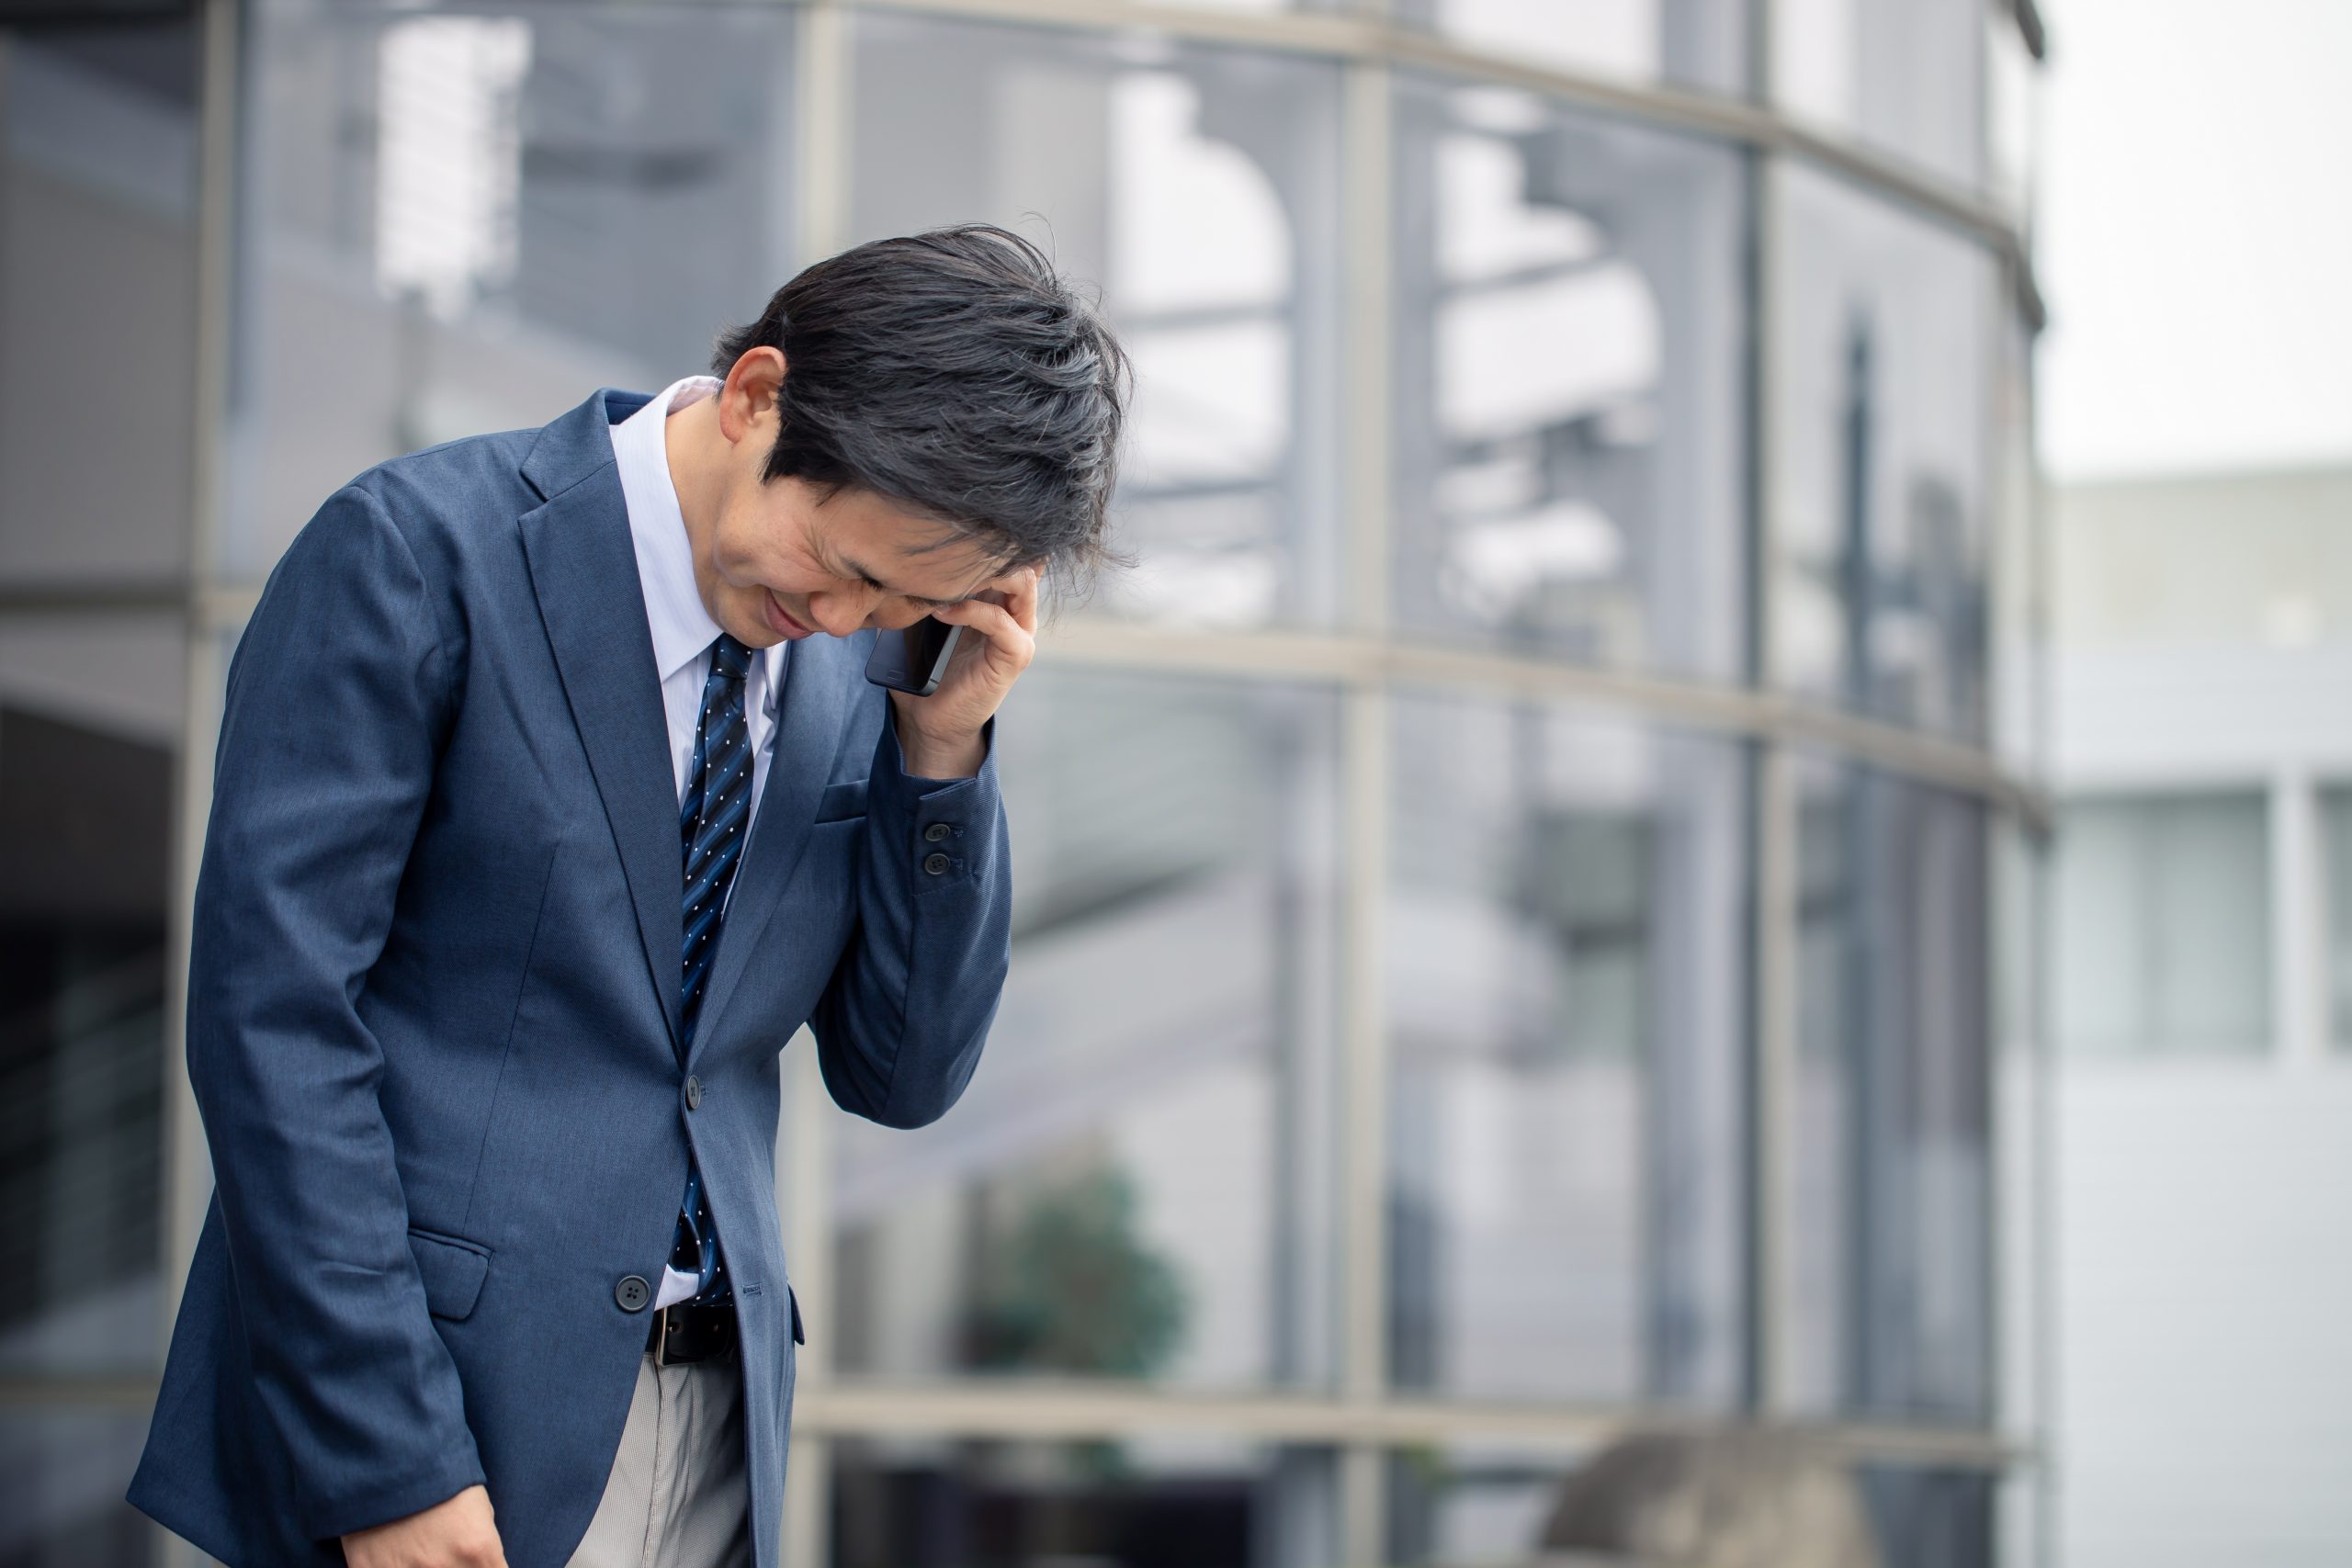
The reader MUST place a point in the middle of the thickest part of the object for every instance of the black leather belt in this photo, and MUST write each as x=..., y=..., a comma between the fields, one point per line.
x=692, y=1331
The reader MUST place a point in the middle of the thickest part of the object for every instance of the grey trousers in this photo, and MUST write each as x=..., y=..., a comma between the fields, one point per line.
x=678, y=1496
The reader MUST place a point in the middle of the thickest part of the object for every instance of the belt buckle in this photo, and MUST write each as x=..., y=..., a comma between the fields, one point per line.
x=662, y=1336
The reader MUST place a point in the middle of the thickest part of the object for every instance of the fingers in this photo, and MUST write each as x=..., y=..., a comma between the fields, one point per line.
x=1017, y=591
x=1008, y=638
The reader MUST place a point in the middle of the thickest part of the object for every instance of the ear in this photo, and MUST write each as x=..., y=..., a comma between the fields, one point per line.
x=748, y=400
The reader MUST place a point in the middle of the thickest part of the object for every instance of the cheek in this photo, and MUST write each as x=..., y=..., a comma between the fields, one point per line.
x=737, y=569
x=788, y=568
x=742, y=551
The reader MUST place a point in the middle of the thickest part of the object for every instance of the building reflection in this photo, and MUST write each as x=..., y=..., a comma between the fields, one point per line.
x=1509, y=917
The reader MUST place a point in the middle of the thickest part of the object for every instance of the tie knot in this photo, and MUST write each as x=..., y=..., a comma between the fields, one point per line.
x=730, y=658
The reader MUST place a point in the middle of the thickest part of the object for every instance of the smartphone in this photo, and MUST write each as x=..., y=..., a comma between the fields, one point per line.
x=913, y=660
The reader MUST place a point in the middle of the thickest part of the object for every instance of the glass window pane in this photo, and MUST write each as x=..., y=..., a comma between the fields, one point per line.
x=1685, y=43
x=2023, y=1171
x=1930, y=1519
x=2102, y=878
x=1198, y=187
x=1907, y=77
x=2164, y=926
x=2337, y=828
x=2020, y=608
x=1727, y=1495
x=1892, y=1231
x=1138, y=1502
x=97, y=264
x=1565, y=992
x=1137, y=1182
x=496, y=212
x=1569, y=435
x=89, y=722
x=1465, y=1503
x=1882, y=404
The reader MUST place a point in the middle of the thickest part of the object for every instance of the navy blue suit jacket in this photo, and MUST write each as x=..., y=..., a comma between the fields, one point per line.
x=433, y=1008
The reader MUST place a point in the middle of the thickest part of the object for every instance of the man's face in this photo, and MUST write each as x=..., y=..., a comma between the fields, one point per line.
x=785, y=562
x=781, y=559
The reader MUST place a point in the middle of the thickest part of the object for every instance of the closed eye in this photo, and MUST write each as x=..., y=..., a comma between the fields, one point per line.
x=851, y=570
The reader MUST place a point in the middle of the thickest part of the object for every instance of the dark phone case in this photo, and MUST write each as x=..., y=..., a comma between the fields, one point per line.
x=896, y=661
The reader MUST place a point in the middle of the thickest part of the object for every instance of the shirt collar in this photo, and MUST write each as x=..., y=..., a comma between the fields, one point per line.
x=682, y=626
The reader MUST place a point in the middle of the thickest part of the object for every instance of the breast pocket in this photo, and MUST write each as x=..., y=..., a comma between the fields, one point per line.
x=842, y=802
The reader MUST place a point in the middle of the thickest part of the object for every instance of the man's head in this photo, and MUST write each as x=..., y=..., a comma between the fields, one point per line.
x=906, y=423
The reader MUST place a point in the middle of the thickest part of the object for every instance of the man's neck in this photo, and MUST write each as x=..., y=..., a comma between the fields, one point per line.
x=687, y=437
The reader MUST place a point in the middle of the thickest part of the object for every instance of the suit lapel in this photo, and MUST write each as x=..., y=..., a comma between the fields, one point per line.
x=583, y=570
x=819, y=677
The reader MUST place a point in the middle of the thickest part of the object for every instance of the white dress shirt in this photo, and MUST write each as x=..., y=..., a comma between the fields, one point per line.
x=682, y=629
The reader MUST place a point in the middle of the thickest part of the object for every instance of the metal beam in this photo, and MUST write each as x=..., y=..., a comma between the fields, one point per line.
x=1368, y=181
x=1775, y=1203
x=1044, y=1409
x=1359, y=662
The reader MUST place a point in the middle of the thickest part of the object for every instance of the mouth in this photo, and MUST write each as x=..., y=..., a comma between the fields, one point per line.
x=778, y=622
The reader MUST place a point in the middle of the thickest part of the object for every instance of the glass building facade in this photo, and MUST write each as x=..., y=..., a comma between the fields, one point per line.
x=1525, y=898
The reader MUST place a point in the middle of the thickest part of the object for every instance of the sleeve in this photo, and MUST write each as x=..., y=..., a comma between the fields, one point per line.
x=902, y=1020
x=338, y=698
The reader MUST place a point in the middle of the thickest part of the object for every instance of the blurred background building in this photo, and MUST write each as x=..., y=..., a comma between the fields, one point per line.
x=2199, y=437
x=2204, y=1007
x=1527, y=934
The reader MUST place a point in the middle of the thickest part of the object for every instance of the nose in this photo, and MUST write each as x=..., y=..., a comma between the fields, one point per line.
x=838, y=612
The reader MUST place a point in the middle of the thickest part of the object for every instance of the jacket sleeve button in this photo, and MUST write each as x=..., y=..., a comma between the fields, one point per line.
x=935, y=865
x=936, y=831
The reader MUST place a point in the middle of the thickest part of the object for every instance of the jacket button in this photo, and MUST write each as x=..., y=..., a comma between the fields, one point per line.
x=694, y=1093
x=937, y=832
x=934, y=864
x=632, y=1292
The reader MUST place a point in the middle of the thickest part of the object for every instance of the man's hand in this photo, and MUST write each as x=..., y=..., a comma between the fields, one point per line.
x=940, y=734
x=455, y=1534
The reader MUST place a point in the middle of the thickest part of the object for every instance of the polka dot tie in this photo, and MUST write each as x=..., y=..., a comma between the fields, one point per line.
x=712, y=822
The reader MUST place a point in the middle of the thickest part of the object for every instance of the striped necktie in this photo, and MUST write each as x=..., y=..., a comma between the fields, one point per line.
x=713, y=821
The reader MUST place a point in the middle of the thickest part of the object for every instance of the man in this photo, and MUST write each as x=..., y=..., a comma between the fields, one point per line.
x=551, y=800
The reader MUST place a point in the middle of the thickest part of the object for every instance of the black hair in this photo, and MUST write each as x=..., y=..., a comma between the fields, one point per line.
x=956, y=374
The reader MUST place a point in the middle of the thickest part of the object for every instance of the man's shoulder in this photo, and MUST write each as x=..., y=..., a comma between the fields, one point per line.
x=457, y=508
x=498, y=477
x=447, y=498
x=452, y=507
x=470, y=478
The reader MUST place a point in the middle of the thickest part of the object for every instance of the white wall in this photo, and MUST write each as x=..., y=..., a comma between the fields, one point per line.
x=2204, y=1315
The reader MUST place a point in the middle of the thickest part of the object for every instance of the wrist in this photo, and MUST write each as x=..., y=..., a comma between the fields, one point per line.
x=930, y=756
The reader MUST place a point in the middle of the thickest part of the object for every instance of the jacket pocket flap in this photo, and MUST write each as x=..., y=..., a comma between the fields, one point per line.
x=842, y=801
x=453, y=1271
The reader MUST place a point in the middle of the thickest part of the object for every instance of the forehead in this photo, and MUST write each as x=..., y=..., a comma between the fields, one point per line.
x=910, y=553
